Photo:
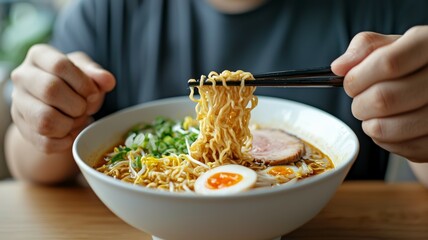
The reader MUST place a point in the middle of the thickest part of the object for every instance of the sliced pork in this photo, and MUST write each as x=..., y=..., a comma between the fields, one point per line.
x=276, y=147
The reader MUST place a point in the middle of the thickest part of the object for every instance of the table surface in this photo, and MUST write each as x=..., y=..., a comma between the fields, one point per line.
x=359, y=210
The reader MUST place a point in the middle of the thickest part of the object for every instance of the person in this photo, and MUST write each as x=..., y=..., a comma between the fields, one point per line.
x=108, y=55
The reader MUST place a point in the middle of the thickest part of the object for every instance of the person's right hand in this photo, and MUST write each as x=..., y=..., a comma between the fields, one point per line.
x=55, y=95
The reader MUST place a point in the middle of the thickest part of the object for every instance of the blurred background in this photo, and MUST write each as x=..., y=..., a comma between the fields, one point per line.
x=27, y=22
x=22, y=24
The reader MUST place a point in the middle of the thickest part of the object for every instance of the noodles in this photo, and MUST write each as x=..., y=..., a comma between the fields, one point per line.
x=155, y=156
x=171, y=155
x=224, y=115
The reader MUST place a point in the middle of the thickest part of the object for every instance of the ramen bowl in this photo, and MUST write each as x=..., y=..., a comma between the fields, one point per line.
x=261, y=213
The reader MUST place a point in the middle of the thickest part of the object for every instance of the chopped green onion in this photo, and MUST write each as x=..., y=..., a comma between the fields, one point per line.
x=162, y=137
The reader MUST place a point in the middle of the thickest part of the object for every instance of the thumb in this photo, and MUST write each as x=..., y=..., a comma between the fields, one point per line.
x=103, y=78
x=105, y=82
x=361, y=46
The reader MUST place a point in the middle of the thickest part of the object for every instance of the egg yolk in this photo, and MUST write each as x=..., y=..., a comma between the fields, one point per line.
x=280, y=170
x=223, y=180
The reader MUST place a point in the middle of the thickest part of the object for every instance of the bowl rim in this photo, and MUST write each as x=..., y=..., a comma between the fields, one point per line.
x=257, y=192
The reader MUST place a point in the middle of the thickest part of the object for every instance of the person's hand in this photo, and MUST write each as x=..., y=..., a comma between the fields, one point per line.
x=55, y=95
x=387, y=77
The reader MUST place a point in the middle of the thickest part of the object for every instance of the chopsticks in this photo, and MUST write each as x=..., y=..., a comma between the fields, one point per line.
x=311, y=77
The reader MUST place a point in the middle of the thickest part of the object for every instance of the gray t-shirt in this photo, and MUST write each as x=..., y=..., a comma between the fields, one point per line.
x=154, y=46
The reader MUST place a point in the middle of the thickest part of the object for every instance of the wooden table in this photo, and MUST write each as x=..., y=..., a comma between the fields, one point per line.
x=359, y=210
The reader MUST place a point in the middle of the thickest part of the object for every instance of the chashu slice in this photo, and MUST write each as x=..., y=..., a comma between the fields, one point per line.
x=276, y=147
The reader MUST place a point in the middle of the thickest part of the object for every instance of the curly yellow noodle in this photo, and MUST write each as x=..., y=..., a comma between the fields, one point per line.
x=224, y=114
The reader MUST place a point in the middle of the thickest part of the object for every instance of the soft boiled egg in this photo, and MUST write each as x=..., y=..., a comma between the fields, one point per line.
x=289, y=171
x=225, y=180
x=281, y=174
x=283, y=171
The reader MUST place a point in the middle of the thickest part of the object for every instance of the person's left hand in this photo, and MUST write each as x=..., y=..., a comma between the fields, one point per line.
x=387, y=77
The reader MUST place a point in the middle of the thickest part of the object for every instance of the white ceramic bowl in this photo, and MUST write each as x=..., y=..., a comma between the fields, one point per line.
x=264, y=213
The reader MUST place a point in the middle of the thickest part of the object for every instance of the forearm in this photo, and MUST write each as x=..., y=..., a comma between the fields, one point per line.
x=421, y=172
x=28, y=163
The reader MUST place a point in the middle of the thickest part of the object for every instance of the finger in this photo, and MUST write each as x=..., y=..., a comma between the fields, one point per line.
x=79, y=125
x=406, y=55
x=42, y=119
x=362, y=45
x=50, y=89
x=95, y=106
x=398, y=128
x=43, y=143
x=56, y=63
x=415, y=149
x=392, y=97
x=81, y=122
x=103, y=78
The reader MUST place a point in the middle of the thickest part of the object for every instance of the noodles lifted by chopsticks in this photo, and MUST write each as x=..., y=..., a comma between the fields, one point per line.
x=224, y=114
